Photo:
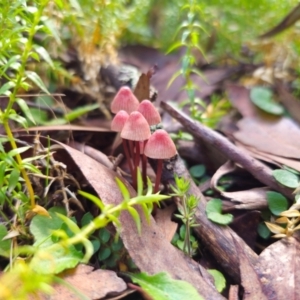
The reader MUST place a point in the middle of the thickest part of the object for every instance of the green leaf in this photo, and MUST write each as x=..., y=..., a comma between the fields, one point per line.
x=197, y=171
x=263, y=230
x=35, y=78
x=86, y=219
x=4, y=245
x=19, y=120
x=4, y=90
x=214, y=212
x=162, y=287
x=220, y=281
x=221, y=219
x=13, y=179
x=123, y=189
x=96, y=245
x=277, y=203
x=93, y=198
x=136, y=217
x=42, y=228
x=286, y=178
x=262, y=98
x=20, y=150
x=55, y=259
x=25, y=109
x=104, y=254
x=104, y=235
x=44, y=54
x=78, y=112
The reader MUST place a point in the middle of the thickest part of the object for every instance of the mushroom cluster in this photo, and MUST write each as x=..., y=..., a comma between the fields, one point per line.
x=133, y=120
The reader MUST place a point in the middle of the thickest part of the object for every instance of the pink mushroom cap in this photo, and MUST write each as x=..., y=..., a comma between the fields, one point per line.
x=149, y=111
x=160, y=146
x=119, y=120
x=136, y=128
x=124, y=100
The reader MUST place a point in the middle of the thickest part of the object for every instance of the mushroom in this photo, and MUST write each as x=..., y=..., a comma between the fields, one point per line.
x=159, y=146
x=151, y=114
x=124, y=100
x=149, y=111
x=117, y=125
x=136, y=129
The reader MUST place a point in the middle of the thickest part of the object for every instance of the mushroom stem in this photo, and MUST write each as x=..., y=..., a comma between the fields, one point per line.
x=144, y=166
x=136, y=160
x=158, y=175
x=127, y=155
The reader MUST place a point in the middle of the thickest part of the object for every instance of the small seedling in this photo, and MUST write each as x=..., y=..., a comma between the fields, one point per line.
x=187, y=208
x=214, y=212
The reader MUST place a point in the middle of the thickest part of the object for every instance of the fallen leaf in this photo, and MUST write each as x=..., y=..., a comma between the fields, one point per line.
x=279, y=137
x=249, y=277
x=255, y=198
x=94, y=284
x=150, y=251
x=164, y=222
x=142, y=89
x=279, y=269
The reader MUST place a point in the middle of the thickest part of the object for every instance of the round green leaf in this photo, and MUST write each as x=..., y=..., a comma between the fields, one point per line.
x=262, y=98
x=277, y=203
x=263, y=230
x=197, y=171
x=162, y=286
x=214, y=205
x=104, y=254
x=219, y=218
x=116, y=246
x=104, y=235
x=86, y=219
x=220, y=281
x=96, y=245
x=286, y=178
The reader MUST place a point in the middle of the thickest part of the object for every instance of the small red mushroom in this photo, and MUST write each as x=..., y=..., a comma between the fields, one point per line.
x=160, y=146
x=119, y=120
x=149, y=111
x=117, y=125
x=151, y=114
x=124, y=100
x=136, y=130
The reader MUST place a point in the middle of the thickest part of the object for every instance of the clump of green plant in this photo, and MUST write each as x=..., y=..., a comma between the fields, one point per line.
x=187, y=205
x=14, y=56
x=58, y=244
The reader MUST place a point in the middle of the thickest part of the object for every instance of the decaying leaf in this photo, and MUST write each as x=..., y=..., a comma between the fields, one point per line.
x=92, y=284
x=164, y=222
x=279, y=269
x=150, y=251
x=249, y=277
x=250, y=199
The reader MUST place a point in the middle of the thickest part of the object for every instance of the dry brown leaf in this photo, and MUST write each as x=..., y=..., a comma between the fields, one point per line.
x=249, y=277
x=150, y=251
x=233, y=292
x=279, y=269
x=280, y=137
x=164, y=222
x=290, y=102
x=239, y=96
x=276, y=160
x=93, y=284
x=142, y=89
x=250, y=199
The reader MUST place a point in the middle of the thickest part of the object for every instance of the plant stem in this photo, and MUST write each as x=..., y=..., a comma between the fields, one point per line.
x=20, y=162
x=12, y=99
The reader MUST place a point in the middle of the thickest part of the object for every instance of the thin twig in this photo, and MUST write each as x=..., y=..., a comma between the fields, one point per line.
x=207, y=135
